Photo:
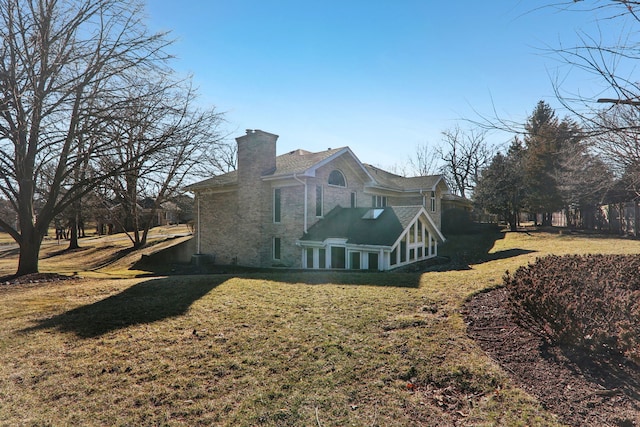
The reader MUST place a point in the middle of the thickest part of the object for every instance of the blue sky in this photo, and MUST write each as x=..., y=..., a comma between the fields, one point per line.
x=382, y=77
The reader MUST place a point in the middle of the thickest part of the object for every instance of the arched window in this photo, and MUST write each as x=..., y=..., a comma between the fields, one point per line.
x=337, y=178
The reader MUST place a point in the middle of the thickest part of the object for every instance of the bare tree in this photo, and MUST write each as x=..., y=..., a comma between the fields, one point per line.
x=426, y=161
x=617, y=143
x=465, y=154
x=63, y=67
x=162, y=138
x=611, y=116
x=222, y=157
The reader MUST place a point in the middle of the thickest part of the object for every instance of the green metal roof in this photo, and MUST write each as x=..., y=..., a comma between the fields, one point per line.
x=350, y=224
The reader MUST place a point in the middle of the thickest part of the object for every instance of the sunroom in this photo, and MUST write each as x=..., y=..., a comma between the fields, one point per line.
x=370, y=239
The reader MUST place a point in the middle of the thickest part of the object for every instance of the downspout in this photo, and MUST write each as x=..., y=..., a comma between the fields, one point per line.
x=305, y=200
x=198, y=225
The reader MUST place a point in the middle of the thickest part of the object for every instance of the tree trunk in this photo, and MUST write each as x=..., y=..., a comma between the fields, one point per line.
x=29, y=252
x=513, y=222
x=74, y=223
x=73, y=232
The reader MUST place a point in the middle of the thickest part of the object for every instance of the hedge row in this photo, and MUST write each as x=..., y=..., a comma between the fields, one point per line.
x=591, y=302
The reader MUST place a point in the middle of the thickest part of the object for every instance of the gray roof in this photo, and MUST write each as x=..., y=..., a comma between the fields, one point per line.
x=294, y=162
x=227, y=179
x=397, y=182
x=300, y=161
x=348, y=223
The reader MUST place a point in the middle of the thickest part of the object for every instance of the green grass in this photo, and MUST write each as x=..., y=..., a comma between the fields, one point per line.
x=277, y=349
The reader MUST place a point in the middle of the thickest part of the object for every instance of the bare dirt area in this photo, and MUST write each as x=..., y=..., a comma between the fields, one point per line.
x=580, y=390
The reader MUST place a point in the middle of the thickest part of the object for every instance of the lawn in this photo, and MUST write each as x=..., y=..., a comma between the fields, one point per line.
x=277, y=348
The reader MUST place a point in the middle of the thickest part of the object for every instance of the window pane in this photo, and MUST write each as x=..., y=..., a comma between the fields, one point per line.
x=319, y=208
x=373, y=261
x=355, y=260
x=337, y=257
x=276, y=205
x=276, y=248
x=309, y=258
x=322, y=258
x=337, y=178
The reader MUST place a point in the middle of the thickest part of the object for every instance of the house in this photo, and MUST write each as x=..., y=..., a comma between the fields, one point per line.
x=315, y=210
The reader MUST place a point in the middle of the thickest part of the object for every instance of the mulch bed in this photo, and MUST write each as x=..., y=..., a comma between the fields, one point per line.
x=35, y=278
x=580, y=390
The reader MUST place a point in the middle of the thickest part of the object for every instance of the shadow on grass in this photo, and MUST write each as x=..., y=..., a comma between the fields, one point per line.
x=508, y=253
x=463, y=250
x=143, y=303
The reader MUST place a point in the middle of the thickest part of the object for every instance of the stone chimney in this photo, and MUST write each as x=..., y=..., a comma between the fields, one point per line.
x=256, y=154
x=256, y=158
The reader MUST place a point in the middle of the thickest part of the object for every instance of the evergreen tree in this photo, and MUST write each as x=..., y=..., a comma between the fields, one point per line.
x=501, y=187
x=548, y=141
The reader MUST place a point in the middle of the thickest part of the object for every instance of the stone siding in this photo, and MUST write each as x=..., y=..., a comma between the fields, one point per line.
x=218, y=219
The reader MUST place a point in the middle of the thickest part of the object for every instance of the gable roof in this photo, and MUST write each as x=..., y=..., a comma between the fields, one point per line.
x=297, y=162
x=348, y=223
x=305, y=163
x=396, y=182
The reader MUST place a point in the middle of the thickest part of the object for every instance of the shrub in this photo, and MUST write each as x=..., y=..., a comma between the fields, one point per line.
x=590, y=302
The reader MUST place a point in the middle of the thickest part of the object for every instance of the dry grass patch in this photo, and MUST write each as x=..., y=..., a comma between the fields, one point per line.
x=98, y=256
x=271, y=349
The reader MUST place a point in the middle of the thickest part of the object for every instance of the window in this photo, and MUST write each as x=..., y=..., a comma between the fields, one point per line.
x=337, y=178
x=354, y=258
x=433, y=201
x=276, y=248
x=319, y=208
x=309, y=257
x=354, y=199
x=373, y=261
x=337, y=257
x=372, y=214
x=419, y=231
x=322, y=258
x=378, y=201
x=277, y=211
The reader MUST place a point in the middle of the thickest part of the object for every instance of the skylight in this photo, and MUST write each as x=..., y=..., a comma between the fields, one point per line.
x=372, y=213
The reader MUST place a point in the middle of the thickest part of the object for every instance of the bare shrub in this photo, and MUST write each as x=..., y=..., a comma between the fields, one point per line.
x=590, y=302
